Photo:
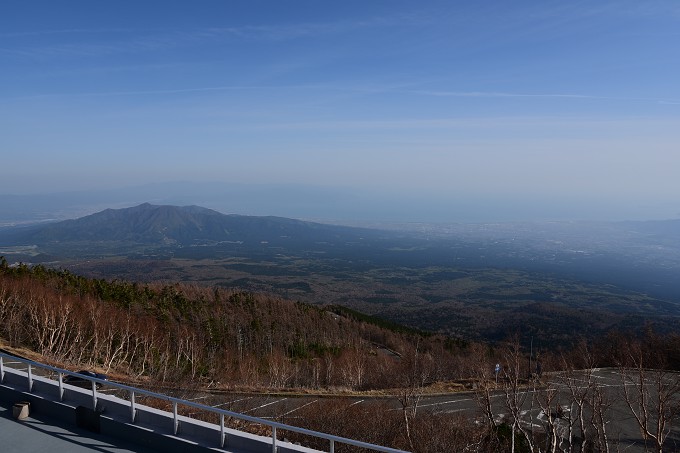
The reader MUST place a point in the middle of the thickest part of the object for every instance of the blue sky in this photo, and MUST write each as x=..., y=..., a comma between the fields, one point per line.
x=567, y=109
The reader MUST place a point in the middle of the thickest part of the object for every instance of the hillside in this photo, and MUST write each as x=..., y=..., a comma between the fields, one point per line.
x=363, y=378
x=177, y=332
x=553, y=281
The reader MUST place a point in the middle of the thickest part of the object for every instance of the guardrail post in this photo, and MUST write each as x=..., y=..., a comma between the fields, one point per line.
x=61, y=387
x=132, y=406
x=175, y=423
x=94, y=396
x=175, y=402
x=30, y=378
x=221, y=430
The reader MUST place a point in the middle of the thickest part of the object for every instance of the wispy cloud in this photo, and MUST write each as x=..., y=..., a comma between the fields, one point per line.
x=187, y=90
x=122, y=41
x=363, y=90
x=466, y=123
x=496, y=94
x=147, y=92
x=105, y=47
x=291, y=31
x=64, y=31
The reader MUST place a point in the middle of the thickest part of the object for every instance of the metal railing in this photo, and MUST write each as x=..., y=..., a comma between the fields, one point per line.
x=133, y=392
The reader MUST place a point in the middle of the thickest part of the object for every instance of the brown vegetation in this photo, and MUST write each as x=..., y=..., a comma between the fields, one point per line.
x=175, y=334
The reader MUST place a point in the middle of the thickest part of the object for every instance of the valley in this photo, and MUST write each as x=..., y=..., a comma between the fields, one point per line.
x=553, y=281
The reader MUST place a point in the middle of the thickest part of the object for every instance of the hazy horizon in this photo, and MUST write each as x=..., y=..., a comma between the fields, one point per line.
x=325, y=204
x=382, y=111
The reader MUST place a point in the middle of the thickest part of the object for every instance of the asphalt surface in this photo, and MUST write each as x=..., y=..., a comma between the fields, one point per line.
x=623, y=431
x=48, y=435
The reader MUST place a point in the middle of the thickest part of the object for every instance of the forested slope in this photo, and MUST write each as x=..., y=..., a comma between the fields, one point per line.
x=172, y=332
x=199, y=337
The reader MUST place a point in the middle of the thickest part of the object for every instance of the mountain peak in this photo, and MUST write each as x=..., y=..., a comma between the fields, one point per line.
x=165, y=225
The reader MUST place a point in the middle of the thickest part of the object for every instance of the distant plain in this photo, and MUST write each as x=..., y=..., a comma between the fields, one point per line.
x=556, y=281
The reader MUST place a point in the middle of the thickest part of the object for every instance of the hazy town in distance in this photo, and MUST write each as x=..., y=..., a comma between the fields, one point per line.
x=434, y=227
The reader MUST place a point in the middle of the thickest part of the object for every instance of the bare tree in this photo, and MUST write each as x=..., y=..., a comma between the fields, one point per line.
x=516, y=392
x=485, y=380
x=353, y=367
x=418, y=368
x=280, y=369
x=651, y=395
x=600, y=407
x=588, y=416
x=551, y=411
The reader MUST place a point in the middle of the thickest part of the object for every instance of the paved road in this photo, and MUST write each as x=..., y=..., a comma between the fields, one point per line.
x=623, y=430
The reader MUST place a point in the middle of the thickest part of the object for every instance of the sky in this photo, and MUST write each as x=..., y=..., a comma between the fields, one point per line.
x=434, y=109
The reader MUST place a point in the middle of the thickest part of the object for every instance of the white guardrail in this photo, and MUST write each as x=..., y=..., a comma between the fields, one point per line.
x=133, y=391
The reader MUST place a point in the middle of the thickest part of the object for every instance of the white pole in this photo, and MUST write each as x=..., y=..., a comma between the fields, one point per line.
x=132, y=406
x=221, y=430
x=30, y=378
x=174, y=418
x=94, y=396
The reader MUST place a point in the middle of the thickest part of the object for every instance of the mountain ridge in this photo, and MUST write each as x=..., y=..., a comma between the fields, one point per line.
x=181, y=226
x=454, y=281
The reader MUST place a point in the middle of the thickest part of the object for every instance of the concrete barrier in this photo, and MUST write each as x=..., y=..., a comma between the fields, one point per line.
x=153, y=428
x=20, y=410
x=115, y=416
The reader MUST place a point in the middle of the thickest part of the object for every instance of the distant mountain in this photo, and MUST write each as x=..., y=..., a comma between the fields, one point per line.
x=154, y=225
x=285, y=200
x=557, y=280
